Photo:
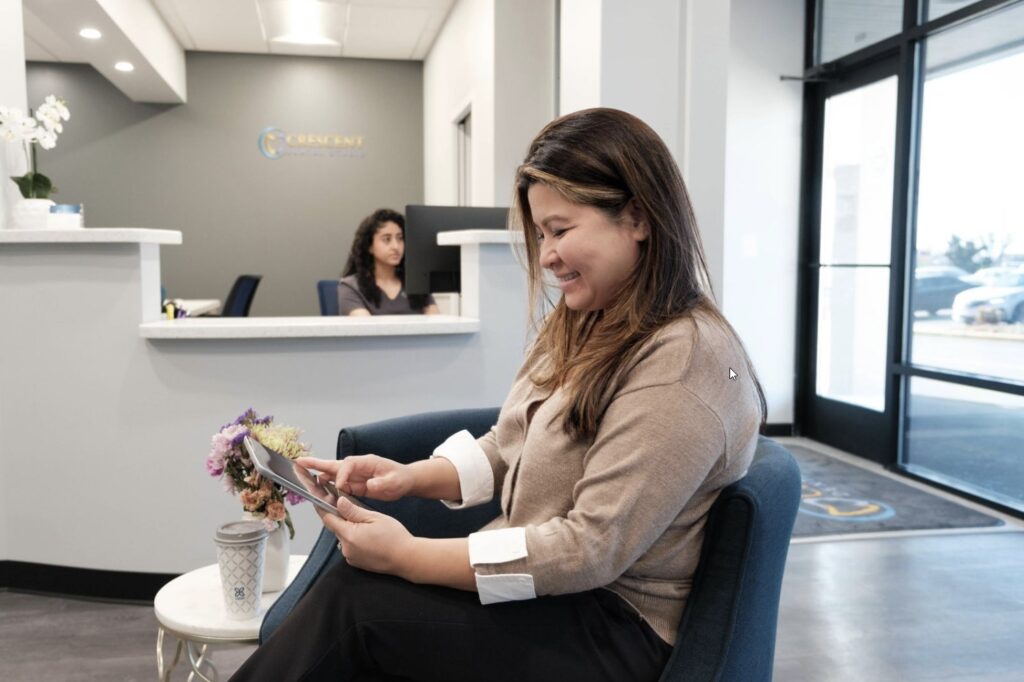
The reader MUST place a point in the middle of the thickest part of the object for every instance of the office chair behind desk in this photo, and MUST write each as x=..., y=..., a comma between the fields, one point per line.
x=239, y=299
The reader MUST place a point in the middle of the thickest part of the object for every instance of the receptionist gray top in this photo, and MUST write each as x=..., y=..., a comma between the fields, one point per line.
x=350, y=298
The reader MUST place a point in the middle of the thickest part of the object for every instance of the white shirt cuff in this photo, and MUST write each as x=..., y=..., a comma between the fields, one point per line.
x=509, y=587
x=476, y=478
x=497, y=546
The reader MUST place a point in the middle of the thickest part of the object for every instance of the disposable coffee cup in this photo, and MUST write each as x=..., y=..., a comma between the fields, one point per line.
x=241, y=546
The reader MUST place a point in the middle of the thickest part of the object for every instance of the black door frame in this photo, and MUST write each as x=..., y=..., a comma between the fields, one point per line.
x=852, y=428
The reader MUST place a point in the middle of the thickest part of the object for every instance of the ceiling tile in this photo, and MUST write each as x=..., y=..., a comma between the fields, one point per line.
x=384, y=32
x=222, y=25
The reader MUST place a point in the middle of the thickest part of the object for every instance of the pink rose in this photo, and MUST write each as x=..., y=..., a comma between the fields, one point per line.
x=275, y=511
x=251, y=500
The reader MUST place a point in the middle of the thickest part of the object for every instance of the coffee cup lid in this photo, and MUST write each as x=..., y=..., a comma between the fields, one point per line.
x=241, y=532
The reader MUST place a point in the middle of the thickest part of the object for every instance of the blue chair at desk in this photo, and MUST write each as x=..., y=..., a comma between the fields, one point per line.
x=239, y=299
x=327, y=291
x=727, y=632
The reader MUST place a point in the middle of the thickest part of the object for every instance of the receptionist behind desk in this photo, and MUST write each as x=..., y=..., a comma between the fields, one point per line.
x=372, y=282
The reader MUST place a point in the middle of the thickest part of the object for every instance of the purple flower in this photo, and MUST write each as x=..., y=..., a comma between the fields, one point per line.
x=250, y=417
x=228, y=442
x=293, y=498
x=239, y=435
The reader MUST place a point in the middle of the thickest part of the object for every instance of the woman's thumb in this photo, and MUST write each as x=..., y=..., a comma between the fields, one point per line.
x=352, y=512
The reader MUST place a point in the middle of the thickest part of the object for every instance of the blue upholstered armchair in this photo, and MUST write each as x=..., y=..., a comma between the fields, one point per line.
x=727, y=633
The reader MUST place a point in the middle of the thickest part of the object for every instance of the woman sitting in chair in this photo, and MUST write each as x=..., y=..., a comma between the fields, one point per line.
x=635, y=406
x=372, y=282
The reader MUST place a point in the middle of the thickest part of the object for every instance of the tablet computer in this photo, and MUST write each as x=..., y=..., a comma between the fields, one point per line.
x=281, y=470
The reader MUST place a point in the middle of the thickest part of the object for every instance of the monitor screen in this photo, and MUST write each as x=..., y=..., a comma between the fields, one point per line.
x=430, y=268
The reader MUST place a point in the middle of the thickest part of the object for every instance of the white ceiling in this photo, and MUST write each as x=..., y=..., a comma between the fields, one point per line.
x=372, y=29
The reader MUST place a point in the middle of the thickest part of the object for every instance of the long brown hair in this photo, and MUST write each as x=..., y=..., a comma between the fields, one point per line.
x=605, y=158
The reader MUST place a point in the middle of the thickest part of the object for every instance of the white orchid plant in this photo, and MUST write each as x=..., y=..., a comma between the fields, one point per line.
x=41, y=129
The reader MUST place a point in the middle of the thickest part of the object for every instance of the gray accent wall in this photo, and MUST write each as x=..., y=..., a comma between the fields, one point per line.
x=197, y=168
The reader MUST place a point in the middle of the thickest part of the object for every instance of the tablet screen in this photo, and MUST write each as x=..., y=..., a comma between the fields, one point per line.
x=280, y=469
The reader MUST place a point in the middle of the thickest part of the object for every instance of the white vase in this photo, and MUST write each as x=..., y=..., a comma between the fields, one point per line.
x=275, y=561
x=30, y=214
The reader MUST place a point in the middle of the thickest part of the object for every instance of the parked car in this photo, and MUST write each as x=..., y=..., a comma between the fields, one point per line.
x=986, y=275
x=935, y=287
x=1000, y=298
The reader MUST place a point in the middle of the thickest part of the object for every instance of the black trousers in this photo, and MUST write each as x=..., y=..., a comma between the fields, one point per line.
x=357, y=625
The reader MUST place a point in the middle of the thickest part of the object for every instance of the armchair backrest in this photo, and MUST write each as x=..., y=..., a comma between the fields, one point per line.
x=727, y=633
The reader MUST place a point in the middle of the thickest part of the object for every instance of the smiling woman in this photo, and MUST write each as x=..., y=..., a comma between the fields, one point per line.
x=590, y=254
x=635, y=406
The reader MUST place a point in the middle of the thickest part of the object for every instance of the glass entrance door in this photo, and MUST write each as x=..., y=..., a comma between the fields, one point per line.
x=849, y=383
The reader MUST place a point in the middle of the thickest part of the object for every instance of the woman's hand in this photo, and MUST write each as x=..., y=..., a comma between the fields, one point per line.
x=370, y=540
x=365, y=475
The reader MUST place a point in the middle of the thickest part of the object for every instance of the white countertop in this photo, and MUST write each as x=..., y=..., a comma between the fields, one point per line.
x=107, y=235
x=459, y=237
x=307, y=327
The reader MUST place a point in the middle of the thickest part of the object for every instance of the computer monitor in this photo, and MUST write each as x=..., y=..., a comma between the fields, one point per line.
x=429, y=268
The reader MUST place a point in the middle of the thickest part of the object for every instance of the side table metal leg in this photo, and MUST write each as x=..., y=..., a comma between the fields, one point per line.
x=165, y=673
x=198, y=661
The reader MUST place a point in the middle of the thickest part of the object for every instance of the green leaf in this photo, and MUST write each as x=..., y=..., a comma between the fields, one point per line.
x=24, y=183
x=288, y=522
x=42, y=188
x=34, y=185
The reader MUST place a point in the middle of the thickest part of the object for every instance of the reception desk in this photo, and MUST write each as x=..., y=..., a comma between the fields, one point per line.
x=106, y=411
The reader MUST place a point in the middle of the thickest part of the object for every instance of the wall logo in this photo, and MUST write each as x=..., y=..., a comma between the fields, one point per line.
x=274, y=143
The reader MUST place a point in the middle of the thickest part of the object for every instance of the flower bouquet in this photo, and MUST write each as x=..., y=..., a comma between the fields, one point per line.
x=228, y=460
x=42, y=130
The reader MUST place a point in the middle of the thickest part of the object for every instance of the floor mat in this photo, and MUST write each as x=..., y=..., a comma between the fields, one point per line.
x=842, y=498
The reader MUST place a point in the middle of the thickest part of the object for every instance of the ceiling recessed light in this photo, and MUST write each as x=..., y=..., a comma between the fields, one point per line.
x=90, y=34
x=303, y=22
x=124, y=66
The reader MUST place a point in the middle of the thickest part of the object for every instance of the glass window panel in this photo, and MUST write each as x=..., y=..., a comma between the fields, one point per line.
x=857, y=174
x=853, y=326
x=968, y=437
x=938, y=8
x=846, y=26
x=967, y=293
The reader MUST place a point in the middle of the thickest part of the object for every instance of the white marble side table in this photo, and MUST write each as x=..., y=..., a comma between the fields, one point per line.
x=191, y=608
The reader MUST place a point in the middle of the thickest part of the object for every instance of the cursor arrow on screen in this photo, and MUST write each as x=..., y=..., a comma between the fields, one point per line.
x=732, y=374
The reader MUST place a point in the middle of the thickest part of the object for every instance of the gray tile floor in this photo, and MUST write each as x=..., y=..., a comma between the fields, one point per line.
x=946, y=607
x=940, y=607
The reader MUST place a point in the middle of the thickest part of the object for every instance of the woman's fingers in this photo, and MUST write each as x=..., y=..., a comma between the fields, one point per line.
x=360, y=475
x=344, y=473
x=314, y=486
x=326, y=466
